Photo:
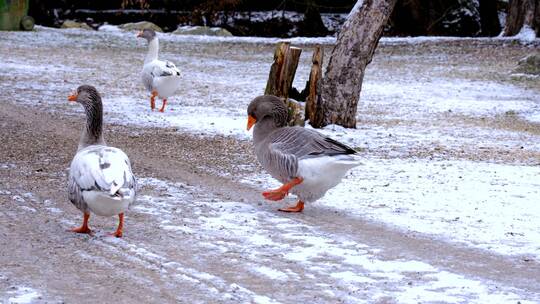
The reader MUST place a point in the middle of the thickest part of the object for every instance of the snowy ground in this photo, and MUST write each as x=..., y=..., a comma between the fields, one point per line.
x=451, y=142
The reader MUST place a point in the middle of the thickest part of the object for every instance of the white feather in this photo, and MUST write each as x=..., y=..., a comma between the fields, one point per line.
x=322, y=173
x=161, y=76
x=101, y=172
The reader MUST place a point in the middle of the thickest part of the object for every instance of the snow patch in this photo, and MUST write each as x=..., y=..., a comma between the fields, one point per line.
x=109, y=28
x=271, y=273
x=526, y=34
x=22, y=295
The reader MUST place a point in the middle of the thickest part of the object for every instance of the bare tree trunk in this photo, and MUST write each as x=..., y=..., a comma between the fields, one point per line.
x=314, y=84
x=353, y=51
x=281, y=77
x=522, y=13
x=282, y=70
x=489, y=18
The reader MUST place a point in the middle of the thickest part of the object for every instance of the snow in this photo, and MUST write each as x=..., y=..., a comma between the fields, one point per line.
x=526, y=34
x=22, y=295
x=484, y=205
x=272, y=273
x=109, y=28
x=357, y=6
x=348, y=264
x=490, y=206
x=487, y=205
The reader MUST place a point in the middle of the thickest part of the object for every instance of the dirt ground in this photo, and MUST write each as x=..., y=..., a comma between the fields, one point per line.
x=37, y=249
x=204, y=261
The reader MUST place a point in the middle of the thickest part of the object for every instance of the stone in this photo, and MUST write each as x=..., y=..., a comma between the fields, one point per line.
x=529, y=65
x=202, y=30
x=137, y=26
x=296, y=113
x=75, y=24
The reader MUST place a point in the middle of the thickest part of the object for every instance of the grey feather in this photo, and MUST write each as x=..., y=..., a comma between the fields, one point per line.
x=279, y=148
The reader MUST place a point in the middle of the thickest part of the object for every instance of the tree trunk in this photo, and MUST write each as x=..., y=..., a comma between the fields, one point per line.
x=282, y=70
x=356, y=43
x=489, y=18
x=314, y=84
x=281, y=77
x=522, y=13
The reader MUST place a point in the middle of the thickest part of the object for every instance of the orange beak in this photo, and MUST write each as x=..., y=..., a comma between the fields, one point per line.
x=72, y=97
x=139, y=34
x=251, y=122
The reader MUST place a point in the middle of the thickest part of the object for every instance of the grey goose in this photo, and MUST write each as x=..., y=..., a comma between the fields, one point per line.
x=305, y=161
x=100, y=176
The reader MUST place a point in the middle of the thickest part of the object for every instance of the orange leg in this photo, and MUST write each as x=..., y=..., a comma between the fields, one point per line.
x=84, y=228
x=153, y=100
x=163, y=105
x=281, y=192
x=119, y=231
x=298, y=208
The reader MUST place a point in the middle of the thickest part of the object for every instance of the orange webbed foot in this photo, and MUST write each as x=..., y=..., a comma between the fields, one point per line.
x=275, y=195
x=117, y=234
x=119, y=231
x=298, y=208
x=153, y=100
x=163, y=106
x=82, y=229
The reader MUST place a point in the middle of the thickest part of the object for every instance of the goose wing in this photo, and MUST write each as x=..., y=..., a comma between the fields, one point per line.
x=290, y=144
x=99, y=168
x=306, y=143
x=164, y=69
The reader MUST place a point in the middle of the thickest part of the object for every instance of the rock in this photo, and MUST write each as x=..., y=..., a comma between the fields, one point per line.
x=296, y=115
x=202, y=30
x=137, y=26
x=75, y=24
x=529, y=65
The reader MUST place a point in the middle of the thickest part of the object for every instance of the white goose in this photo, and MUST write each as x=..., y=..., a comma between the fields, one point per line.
x=161, y=78
x=305, y=161
x=100, y=177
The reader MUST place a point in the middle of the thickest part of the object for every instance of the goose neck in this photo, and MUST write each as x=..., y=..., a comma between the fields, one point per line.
x=92, y=133
x=153, y=49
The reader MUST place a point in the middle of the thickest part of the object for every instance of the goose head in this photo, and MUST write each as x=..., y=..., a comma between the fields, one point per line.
x=86, y=95
x=89, y=98
x=266, y=108
x=147, y=34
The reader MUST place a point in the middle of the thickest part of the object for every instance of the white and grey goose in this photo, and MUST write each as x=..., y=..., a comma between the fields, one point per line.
x=100, y=177
x=305, y=161
x=161, y=78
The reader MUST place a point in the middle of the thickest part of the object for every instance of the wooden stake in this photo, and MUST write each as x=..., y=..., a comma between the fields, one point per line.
x=314, y=84
x=282, y=70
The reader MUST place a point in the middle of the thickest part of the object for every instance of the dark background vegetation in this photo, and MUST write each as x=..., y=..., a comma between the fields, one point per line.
x=410, y=17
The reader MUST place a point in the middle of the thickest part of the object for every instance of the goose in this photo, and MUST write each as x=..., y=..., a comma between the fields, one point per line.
x=161, y=78
x=100, y=176
x=306, y=162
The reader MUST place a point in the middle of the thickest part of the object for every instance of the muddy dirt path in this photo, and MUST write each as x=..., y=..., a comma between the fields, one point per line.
x=197, y=237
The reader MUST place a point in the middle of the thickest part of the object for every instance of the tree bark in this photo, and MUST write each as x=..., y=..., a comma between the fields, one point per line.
x=489, y=18
x=522, y=13
x=356, y=43
x=282, y=70
x=281, y=77
x=314, y=84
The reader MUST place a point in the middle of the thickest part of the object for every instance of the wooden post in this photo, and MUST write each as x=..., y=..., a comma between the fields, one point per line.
x=314, y=84
x=281, y=77
x=283, y=69
x=275, y=70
